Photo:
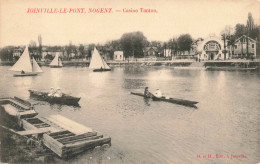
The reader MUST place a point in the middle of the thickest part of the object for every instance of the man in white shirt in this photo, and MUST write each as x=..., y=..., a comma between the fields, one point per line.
x=158, y=93
x=51, y=93
x=58, y=93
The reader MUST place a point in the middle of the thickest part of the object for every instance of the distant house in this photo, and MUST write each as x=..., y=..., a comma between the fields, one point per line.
x=150, y=52
x=18, y=52
x=167, y=52
x=245, y=47
x=52, y=53
x=119, y=56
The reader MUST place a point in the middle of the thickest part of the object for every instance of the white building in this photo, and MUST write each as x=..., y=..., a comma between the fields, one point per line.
x=119, y=56
x=167, y=52
x=18, y=52
x=211, y=48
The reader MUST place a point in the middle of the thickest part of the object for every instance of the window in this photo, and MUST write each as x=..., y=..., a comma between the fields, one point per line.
x=235, y=46
x=253, y=46
x=120, y=56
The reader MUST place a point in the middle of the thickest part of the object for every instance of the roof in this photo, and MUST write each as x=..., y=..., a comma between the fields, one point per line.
x=245, y=37
x=148, y=48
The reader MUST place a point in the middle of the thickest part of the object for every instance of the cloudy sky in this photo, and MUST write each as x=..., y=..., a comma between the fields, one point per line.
x=199, y=18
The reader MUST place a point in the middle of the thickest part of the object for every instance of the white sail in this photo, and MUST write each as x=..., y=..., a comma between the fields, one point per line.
x=24, y=62
x=35, y=66
x=56, y=61
x=60, y=63
x=97, y=61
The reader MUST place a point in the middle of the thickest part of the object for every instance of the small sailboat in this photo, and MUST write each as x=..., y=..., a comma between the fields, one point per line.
x=25, y=66
x=97, y=62
x=56, y=62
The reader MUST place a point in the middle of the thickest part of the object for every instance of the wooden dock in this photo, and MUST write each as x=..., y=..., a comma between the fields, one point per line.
x=18, y=107
x=64, y=136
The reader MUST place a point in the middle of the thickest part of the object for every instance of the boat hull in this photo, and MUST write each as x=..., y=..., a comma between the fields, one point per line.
x=55, y=66
x=101, y=70
x=26, y=74
x=65, y=99
x=171, y=100
x=230, y=69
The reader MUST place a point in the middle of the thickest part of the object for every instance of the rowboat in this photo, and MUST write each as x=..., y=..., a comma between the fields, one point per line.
x=64, y=99
x=171, y=100
x=230, y=69
x=101, y=70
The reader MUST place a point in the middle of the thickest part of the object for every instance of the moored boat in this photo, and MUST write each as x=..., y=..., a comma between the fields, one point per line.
x=97, y=63
x=64, y=99
x=171, y=100
x=56, y=62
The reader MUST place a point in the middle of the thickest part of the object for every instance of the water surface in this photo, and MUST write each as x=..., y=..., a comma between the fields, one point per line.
x=143, y=131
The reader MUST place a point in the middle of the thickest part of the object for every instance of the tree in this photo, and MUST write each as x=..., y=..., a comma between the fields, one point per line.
x=226, y=35
x=184, y=42
x=250, y=22
x=133, y=44
x=6, y=53
x=81, y=50
x=40, y=44
x=240, y=30
x=173, y=46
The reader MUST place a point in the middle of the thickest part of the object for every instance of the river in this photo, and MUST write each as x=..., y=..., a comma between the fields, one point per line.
x=226, y=121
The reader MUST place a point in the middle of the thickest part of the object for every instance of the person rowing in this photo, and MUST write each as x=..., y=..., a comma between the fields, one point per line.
x=147, y=93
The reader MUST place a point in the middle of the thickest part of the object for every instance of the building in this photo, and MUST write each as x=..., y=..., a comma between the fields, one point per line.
x=167, y=52
x=150, y=51
x=119, y=56
x=245, y=47
x=211, y=48
x=18, y=52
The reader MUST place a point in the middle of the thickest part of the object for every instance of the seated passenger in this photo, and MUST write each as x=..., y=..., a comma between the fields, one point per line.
x=52, y=91
x=58, y=93
x=158, y=93
x=147, y=93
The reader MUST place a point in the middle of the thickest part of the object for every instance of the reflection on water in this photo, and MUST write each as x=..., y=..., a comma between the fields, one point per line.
x=146, y=131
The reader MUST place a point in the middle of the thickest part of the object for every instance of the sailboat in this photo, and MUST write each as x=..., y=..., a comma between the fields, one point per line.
x=56, y=62
x=97, y=62
x=25, y=66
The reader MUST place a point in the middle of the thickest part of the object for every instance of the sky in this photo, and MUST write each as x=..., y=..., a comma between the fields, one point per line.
x=199, y=18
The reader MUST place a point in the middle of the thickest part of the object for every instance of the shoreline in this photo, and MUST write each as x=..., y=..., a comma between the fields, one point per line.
x=176, y=63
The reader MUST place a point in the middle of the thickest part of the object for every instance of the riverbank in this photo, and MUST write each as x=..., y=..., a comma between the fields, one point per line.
x=175, y=63
x=20, y=149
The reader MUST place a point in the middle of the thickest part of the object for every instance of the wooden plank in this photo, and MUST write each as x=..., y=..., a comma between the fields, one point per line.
x=52, y=144
x=77, y=137
x=10, y=110
x=82, y=146
x=27, y=125
x=60, y=133
x=63, y=136
x=35, y=131
x=22, y=101
x=18, y=104
x=83, y=139
x=28, y=112
x=69, y=124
